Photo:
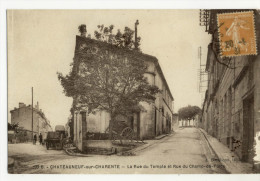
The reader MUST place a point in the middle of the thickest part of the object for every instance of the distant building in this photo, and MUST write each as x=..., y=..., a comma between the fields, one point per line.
x=175, y=121
x=196, y=120
x=155, y=120
x=23, y=116
x=232, y=102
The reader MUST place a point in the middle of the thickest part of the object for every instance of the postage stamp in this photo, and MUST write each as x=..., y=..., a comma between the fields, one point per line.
x=237, y=34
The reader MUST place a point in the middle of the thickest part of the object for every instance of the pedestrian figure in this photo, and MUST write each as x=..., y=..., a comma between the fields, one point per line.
x=34, y=139
x=40, y=138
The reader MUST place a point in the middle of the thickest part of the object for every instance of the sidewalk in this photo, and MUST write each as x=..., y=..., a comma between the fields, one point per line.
x=229, y=159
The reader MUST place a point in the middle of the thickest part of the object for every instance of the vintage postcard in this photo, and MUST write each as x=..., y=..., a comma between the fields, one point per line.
x=133, y=91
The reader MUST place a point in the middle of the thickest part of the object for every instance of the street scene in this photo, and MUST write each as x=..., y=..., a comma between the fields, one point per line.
x=186, y=147
x=133, y=91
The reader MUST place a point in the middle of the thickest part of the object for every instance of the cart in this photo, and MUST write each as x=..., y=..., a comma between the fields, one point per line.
x=54, y=140
x=122, y=132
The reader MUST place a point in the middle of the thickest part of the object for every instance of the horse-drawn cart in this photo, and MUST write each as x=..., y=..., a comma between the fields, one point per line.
x=55, y=139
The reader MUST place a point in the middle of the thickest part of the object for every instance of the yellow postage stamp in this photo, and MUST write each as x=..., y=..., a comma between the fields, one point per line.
x=237, y=34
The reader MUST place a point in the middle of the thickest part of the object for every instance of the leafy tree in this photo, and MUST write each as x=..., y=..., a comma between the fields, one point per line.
x=188, y=112
x=105, y=33
x=12, y=126
x=108, y=81
x=125, y=39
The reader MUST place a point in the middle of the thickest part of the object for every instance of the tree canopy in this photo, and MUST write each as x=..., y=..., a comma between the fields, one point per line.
x=12, y=126
x=189, y=112
x=119, y=39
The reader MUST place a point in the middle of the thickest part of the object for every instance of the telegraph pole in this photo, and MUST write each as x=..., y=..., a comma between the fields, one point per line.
x=136, y=24
x=32, y=113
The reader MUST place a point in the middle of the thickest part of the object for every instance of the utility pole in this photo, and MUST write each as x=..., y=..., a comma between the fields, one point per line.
x=32, y=113
x=136, y=23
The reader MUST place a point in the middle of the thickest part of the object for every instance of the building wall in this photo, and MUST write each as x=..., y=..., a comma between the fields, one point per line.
x=78, y=132
x=231, y=108
x=224, y=112
x=147, y=125
x=23, y=116
x=175, y=122
x=257, y=106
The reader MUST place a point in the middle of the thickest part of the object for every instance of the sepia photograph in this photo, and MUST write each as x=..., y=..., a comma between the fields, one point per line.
x=133, y=91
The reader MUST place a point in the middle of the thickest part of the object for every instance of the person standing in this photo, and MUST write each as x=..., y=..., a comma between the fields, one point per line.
x=34, y=139
x=40, y=138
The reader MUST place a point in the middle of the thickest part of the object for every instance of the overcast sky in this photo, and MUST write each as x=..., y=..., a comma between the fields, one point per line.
x=41, y=43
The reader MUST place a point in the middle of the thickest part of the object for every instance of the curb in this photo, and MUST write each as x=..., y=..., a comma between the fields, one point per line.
x=75, y=154
x=228, y=171
x=226, y=165
x=161, y=137
x=85, y=154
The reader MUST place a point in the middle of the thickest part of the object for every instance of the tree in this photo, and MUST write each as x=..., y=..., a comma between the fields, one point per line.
x=111, y=80
x=188, y=112
x=119, y=39
x=13, y=126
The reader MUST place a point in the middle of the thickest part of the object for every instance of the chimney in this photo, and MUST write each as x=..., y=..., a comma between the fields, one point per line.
x=83, y=30
x=21, y=104
x=37, y=105
x=136, y=23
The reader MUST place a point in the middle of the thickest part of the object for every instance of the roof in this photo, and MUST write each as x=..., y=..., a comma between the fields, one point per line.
x=132, y=53
x=35, y=110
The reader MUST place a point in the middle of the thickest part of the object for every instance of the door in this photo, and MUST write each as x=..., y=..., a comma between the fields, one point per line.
x=138, y=126
x=248, y=130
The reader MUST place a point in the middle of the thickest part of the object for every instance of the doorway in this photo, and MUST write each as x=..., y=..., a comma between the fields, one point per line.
x=248, y=130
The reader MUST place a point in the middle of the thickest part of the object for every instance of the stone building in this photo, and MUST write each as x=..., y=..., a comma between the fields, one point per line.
x=23, y=116
x=231, y=109
x=154, y=120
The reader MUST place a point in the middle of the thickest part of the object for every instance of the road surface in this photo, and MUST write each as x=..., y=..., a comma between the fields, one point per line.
x=186, y=151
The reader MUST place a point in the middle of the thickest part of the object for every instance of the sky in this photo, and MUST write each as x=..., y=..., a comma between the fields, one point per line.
x=42, y=42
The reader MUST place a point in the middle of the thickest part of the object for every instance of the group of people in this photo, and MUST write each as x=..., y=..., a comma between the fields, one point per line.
x=35, y=139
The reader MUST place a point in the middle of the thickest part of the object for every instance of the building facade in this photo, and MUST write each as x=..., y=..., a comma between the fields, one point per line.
x=231, y=109
x=155, y=119
x=23, y=116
